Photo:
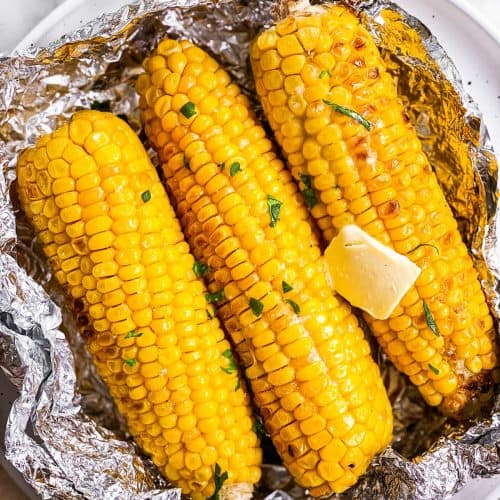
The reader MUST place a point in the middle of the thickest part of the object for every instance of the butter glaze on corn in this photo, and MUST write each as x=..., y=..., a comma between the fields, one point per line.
x=115, y=245
x=319, y=392
x=382, y=181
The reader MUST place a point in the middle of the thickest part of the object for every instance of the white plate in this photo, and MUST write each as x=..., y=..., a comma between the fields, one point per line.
x=473, y=44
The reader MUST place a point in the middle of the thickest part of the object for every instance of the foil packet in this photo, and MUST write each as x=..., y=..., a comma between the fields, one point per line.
x=63, y=433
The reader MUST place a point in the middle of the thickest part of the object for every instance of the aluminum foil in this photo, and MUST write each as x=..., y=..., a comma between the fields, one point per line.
x=63, y=434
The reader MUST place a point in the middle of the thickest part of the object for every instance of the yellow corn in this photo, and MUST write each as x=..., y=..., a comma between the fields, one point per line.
x=370, y=170
x=319, y=392
x=115, y=245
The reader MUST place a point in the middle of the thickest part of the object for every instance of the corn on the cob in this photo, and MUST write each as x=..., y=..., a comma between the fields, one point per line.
x=113, y=241
x=319, y=392
x=335, y=112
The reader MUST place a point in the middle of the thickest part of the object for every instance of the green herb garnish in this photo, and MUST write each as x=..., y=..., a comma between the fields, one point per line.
x=256, y=306
x=132, y=334
x=258, y=428
x=235, y=168
x=200, y=269
x=425, y=245
x=325, y=72
x=350, y=113
x=295, y=306
x=433, y=369
x=101, y=106
x=274, y=207
x=216, y=296
x=188, y=109
x=308, y=192
x=146, y=196
x=219, y=480
x=429, y=318
x=130, y=362
x=238, y=385
x=232, y=365
x=286, y=287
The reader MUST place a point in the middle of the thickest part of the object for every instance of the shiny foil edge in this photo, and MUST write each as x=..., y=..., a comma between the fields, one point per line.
x=34, y=351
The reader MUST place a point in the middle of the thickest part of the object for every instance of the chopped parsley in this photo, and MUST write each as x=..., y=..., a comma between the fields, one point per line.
x=216, y=296
x=308, y=191
x=234, y=169
x=256, y=306
x=188, y=109
x=219, y=480
x=274, y=207
x=200, y=269
x=146, y=196
x=130, y=362
x=132, y=334
x=429, y=318
x=101, y=106
x=295, y=306
x=258, y=428
x=325, y=72
x=425, y=245
x=286, y=287
x=433, y=369
x=231, y=368
x=350, y=113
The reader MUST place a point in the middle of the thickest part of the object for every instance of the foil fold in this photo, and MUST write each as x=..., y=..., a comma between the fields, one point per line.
x=63, y=433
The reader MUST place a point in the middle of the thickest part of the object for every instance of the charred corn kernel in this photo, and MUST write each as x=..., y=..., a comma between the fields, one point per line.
x=252, y=249
x=118, y=261
x=400, y=202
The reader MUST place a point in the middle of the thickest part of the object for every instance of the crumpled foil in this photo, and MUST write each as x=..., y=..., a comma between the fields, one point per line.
x=63, y=433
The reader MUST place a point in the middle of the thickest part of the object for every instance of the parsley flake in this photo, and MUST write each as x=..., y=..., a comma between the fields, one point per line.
x=188, y=109
x=146, y=196
x=325, y=72
x=258, y=428
x=130, y=362
x=216, y=296
x=429, y=319
x=350, y=113
x=219, y=480
x=295, y=306
x=274, y=207
x=231, y=368
x=234, y=169
x=433, y=369
x=286, y=287
x=200, y=269
x=256, y=306
x=425, y=245
x=133, y=334
x=308, y=192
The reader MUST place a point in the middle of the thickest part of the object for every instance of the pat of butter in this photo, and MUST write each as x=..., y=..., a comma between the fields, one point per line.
x=368, y=274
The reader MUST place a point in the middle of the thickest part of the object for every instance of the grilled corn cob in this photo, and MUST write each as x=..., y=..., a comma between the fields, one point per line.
x=113, y=242
x=319, y=392
x=335, y=112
